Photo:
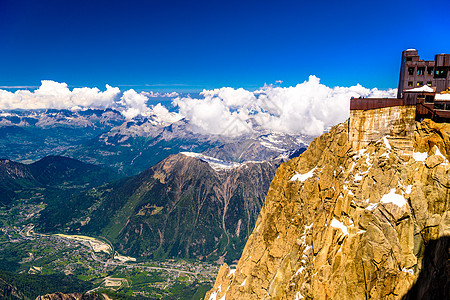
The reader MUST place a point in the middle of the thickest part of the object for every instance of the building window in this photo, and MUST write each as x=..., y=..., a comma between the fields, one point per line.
x=409, y=59
x=420, y=70
x=420, y=96
x=410, y=83
x=440, y=106
x=429, y=99
x=447, y=106
x=429, y=83
x=411, y=70
x=419, y=83
x=430, y=70
x=441, y=72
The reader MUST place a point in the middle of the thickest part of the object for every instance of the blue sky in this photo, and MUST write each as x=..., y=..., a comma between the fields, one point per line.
x=191, y=45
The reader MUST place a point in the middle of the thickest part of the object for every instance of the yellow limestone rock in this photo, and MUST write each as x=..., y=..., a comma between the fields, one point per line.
x=344, y=224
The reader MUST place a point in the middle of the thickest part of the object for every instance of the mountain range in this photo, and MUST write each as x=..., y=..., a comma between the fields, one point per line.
x=29, y=135
x=136, y=145
x=187, y=206
x=105, y=137
x=155, y=190
x=180, y=203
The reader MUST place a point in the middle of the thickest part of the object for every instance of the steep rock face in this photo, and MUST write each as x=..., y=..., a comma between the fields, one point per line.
x=370, y=125
x=73, y=296
x=8, y=291
x=345, y=224
x=10, y=170
x=12, y=176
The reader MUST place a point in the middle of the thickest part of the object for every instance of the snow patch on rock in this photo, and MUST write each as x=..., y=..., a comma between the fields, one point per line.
x=337, y=224
x=386, y=143
x=420, y=156
x=437, y=152
x=298, y=296
x=372, y=206
x=303, y=177
x=243, y=282
x=213, y=296
x=410, y=271
x=394, y=198
x=215, y=163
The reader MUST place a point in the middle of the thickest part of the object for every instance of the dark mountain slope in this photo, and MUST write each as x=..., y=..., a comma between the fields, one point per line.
x=49, y=174
x=53, y=170
x=14, y=176
x=181, y=207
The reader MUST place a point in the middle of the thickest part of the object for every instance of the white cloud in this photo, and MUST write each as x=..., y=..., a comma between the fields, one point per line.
x=163, y=115
x=232, y=98
x=307, y=108
x=57, y=95
x=211, y=114
x=152, y=94
x=136, y=104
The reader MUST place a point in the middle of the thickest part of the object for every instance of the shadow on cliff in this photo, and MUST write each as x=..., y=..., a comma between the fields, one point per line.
x=434, y=279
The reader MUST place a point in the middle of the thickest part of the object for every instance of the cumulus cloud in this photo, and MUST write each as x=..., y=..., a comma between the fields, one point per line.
x=57, y=95
x=135, y=103
x=212, y=115
x=307, y=108
x=152, y=94
x=162, y=114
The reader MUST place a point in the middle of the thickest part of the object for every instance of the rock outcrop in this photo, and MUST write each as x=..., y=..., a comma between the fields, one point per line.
x=397, y=122
x=10, y=292
x=74, y=296
x=344, y=224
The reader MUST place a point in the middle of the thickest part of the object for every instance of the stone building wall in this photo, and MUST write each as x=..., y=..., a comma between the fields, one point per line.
x=397, y=123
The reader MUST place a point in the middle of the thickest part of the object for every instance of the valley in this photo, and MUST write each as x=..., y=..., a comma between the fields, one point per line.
x=189, y=205
x=93, y=260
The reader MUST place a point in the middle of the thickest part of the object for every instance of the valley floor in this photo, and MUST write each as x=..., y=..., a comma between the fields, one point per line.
x=93, y=260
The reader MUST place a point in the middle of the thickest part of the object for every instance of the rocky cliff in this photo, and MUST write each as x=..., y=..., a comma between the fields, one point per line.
x=73, y=296
x=344, y=224
x=10, y=292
